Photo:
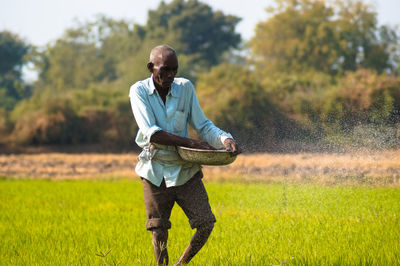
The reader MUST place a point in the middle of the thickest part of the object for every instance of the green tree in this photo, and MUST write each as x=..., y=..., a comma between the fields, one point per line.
x=200, y=35
x=12, y=58
x=362, y=42
x=86, y=54
x=195, y=29
x=231, y=96
x=313, y=35
x=362, y=97
x=300, y=96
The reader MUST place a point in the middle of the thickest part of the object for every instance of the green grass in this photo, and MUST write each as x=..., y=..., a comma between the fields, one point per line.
x=69, y=222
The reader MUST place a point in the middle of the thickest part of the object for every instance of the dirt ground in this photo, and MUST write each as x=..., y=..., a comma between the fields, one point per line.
x=375, y=168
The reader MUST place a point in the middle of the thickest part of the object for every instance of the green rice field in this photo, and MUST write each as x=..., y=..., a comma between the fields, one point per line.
x=85, y=222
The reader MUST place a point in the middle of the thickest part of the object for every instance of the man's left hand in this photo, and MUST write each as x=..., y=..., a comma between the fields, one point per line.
x=231, y=146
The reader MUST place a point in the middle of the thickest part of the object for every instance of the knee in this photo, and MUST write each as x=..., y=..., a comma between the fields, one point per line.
x=206, y=228
x=160, y=234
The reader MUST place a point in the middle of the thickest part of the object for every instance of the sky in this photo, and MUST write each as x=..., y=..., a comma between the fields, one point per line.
x=42, y=21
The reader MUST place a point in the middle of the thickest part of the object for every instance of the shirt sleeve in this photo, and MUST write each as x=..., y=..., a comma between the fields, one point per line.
x=143, y=114
x=223, y=137
x=205, y=128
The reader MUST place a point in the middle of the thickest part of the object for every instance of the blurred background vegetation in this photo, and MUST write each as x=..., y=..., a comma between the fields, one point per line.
x=315, y=73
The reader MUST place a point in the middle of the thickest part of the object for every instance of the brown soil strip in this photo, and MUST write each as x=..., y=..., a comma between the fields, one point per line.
x=376, y=168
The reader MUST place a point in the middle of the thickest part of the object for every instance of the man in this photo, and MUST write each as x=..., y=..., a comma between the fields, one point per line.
x=163, y=106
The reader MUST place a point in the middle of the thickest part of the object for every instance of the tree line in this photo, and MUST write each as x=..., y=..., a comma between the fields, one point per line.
x=314, y=71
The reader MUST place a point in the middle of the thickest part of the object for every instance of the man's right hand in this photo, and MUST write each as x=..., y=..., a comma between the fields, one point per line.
x=232, y=147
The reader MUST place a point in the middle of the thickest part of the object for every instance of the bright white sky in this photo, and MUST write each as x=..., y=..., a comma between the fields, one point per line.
x=42, y=21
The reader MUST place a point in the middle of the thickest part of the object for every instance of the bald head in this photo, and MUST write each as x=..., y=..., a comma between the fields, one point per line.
x=163, y=65
x=161, y=52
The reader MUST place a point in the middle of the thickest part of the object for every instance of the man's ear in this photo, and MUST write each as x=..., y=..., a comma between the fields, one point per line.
x=150, y=66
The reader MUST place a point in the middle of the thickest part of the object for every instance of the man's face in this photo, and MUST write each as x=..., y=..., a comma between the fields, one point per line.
x=164, y=69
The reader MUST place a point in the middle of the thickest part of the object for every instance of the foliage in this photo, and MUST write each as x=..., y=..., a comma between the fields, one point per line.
x=99, y=114
x=196, y=30
x=12, y=52
x=363, y=97
x=199, y=35
x=4, y=125
x=86, y=54
x=12, y=57
x=373, y=136
x=300, y=95
x=232, y=97
x=332, y=38
x=107, y=113
x=53, y=123
x=335, y=107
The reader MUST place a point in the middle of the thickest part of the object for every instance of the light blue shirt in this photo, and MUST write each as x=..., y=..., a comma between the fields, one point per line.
x=181, y=107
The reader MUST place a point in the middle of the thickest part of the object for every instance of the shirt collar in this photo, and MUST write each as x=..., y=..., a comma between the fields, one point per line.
x=152, y=87
x=173, y=90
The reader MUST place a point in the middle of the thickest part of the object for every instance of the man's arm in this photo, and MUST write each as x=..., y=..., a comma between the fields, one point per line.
x=206, y=129
x=165, y=138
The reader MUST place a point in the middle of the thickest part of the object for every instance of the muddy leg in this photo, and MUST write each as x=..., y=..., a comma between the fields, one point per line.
x=160, y=237
x=196, y=243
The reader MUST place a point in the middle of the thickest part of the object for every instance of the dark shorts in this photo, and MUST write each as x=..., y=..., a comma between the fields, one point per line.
x=191, y=197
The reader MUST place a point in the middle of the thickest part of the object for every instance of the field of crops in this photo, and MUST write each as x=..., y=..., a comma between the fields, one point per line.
x=89, y=219
x=73, y=222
